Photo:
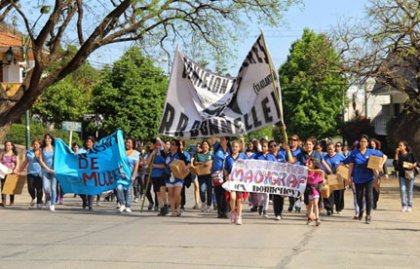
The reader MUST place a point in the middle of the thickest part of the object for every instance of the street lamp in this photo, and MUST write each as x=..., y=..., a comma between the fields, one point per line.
x=9, y=55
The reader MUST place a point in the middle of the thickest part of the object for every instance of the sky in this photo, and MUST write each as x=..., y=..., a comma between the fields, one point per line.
x=317, y=15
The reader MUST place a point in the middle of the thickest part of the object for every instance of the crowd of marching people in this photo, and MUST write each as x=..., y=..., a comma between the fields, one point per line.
x=208, y=165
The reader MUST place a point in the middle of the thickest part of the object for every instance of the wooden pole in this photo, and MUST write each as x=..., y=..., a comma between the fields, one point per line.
x=147, y=182
x=277, y=96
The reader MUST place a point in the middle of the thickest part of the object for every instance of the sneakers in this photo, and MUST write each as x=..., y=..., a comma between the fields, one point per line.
x=409, y=209
x=11, y=204
x=368, y=219
x=122, y=208
x=264, y=213
x=39, y=206
x=233, y=217
x=278, y=218
x=128, y=210
x=239, y=220
x=47, y=205
x=60, y=201
x=208, y=209
x=136, y=200
x=32, y=203
x=150, y=207
x=404, y=209
x=318, y=222
x=260, y=210
x=203, y=207
x=52, y=208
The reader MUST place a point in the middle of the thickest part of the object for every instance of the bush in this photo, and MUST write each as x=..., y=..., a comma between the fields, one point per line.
x=17, y=133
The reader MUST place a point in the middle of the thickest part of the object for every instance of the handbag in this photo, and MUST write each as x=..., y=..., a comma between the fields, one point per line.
x=217, y=177
x=409, y=174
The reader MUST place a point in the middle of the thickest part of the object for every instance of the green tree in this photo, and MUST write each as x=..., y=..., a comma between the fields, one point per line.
x=312, y=87
x=131, y=95
x=69, y=99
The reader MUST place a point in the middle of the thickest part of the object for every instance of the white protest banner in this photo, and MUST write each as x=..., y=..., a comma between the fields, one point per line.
x=4, y=170
x=267, y=177
x=200, y=103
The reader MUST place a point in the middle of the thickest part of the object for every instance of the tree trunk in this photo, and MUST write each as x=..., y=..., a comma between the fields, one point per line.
x=4, y=129
x=406, y=127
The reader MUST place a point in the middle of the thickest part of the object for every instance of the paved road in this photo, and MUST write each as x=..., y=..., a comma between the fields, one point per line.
x=72, y=238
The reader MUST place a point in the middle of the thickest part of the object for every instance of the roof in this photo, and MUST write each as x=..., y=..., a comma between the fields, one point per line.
x=10, y=40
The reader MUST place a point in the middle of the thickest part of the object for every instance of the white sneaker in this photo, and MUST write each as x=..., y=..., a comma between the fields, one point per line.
x=32, y=203
x=128, y=210
x=47, y=205
x=136, y=200
x=239, y=220
x=203, y=207
x=52, y=208
x=409, y=209
x=122, y=208
x=278, y=218
x=404, y=209
x=39, y=206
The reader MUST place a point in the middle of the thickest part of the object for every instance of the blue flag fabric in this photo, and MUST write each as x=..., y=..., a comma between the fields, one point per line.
x=100, y=169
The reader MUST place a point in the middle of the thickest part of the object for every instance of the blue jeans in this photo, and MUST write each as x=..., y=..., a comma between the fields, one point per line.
x=406, y=191
x=125, y=196
x=49, y=184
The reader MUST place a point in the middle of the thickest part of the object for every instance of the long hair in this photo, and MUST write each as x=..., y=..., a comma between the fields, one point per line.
x=50, y=136
x=14, y=149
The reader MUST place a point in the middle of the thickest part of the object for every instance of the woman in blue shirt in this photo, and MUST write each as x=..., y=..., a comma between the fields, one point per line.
x=220, y=152
x=125, y=189
x=236, y=198
x=49, y=181
x=174, y=184
x=158, y=174
x=334, y=159
x=34, y=175
x=362, y=176
x=263, y=198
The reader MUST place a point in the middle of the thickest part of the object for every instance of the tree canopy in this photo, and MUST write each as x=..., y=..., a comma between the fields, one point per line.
x=130, y=96
x=90, y=25
x=312, y=87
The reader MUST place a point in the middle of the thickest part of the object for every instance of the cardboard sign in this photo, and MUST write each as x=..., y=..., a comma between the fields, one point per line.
x=14, y=184
x=407, y=165
x=178, y=168
x=200, y=169
x=325, y=192
x=375, y=163
x=343, y=173
x=335, y=183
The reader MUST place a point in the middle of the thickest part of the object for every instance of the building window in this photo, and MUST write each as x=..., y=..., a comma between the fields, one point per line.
x=397, y=110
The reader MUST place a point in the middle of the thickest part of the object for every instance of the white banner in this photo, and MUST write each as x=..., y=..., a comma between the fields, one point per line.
x=267, y=177
x=200, y=103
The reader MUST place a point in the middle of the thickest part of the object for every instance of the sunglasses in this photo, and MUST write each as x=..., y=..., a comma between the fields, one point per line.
x=273, y=146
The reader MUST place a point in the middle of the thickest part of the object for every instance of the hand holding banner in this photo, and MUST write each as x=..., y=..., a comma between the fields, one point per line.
x=100, y=169
x=267, y=177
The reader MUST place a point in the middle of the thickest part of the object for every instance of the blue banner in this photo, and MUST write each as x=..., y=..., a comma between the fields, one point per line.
x=100, y=169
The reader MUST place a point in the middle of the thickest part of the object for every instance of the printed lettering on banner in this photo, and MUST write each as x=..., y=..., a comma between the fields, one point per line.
x=267, y=177
x=200, y=103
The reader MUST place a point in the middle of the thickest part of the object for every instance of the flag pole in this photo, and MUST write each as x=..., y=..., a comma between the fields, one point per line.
x=277, y=96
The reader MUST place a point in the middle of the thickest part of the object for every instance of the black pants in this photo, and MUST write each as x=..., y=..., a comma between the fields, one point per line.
x=376, y=197
x=148, y=191
x=206, y=180
x=278, y=202
x=183, y=198
x=292, y=201
x=220, y=194
x=87, y=200
x=35, y=187
x=3, y=196
x=329, y=203
x=339, y=200
x=367, y=190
